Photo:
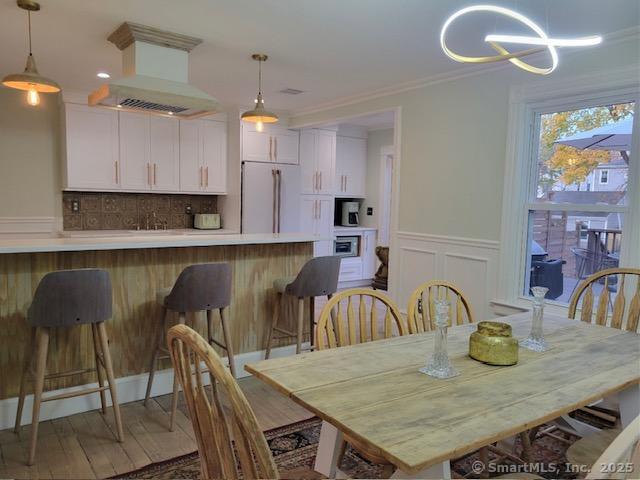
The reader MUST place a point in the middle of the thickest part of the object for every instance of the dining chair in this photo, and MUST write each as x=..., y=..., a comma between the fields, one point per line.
x=339, y=325
x=421, y=311
x=623, y=453
x=351, y=317
x=230, y=442
x=585, y=292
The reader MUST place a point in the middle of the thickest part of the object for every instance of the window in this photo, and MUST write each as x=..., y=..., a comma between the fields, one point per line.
x=571, y=147
x=572, y=188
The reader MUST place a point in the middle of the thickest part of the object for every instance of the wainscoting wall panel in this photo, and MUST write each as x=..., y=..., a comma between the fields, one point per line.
x=472, y=264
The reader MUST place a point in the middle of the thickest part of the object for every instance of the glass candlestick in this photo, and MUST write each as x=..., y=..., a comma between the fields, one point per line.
x=535, y=341
x=439, y=365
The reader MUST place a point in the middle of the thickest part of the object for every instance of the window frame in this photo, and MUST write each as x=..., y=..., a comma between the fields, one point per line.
x=526, y=104
x=602, y=172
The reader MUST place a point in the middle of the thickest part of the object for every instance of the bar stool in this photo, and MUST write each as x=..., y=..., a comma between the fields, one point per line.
x=198, y=287
x=66, y=299
x=319, y=276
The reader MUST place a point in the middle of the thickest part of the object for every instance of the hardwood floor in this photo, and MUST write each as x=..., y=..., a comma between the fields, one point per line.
x=83, y=445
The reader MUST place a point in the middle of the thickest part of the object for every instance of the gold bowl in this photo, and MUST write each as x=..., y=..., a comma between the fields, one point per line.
x=493, y=344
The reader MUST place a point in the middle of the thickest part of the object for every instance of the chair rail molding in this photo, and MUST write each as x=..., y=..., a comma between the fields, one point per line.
x=28, y=225
x=524, y=101
x=470, y=263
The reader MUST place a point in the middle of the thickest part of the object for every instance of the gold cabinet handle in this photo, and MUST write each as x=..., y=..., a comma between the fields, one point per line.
x=148, y=173
x=275, y=148
x=117, y=167
x=270, y=148
x=320, y=189
x=206, y=177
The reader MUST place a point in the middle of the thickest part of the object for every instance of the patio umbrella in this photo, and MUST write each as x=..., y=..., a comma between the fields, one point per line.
x=615, y=136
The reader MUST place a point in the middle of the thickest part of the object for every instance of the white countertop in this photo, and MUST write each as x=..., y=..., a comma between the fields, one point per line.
x=145, y=239
x=338, y=229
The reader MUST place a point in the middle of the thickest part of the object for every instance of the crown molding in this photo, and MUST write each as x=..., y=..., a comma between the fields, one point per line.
x=612, y=38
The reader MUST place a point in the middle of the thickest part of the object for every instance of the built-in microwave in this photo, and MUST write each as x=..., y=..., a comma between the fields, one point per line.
x=346, y=246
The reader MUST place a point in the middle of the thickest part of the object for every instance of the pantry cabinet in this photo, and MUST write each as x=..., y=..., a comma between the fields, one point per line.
x=316, y=217
x=317, y=161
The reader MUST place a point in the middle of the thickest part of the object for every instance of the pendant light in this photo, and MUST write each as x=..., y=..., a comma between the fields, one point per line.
x=259, y=115
x=30, y=80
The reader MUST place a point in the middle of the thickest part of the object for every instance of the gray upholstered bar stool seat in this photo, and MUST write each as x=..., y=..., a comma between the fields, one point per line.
x=66, y=299
x=318, y=277
x=204, y=287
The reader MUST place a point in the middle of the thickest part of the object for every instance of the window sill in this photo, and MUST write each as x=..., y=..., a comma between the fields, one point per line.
x=510, y=307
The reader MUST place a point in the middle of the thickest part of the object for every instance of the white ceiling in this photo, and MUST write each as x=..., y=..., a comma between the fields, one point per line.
x=328, y=48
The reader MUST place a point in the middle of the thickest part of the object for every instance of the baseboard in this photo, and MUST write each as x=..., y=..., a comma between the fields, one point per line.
x=130, y=389
x=354, y=284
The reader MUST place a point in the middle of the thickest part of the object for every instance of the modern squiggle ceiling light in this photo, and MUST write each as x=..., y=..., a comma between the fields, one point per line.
x=540, y=42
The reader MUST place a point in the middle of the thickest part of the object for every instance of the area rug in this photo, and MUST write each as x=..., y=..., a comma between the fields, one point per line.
x=294, y=446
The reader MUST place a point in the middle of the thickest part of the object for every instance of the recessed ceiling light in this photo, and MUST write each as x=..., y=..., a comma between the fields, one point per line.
x=170, y=112
x=103, y=75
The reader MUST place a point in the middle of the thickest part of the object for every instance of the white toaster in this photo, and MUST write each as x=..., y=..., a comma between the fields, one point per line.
x=207, y=221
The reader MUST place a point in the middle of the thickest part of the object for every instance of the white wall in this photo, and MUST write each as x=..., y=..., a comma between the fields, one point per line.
x=453, y=144
x=30, y=181
x=376, y=140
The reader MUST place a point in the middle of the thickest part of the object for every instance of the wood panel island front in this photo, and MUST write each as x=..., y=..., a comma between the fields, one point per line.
x=139, y=266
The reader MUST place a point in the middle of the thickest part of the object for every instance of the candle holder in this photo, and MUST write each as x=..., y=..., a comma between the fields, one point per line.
x=439, y=365
x=535, y=341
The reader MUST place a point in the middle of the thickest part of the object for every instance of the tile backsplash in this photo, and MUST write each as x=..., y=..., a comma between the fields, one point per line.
x=128, y=211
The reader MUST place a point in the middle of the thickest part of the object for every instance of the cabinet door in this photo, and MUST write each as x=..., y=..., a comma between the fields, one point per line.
x=256, y=146
x=191, y=175
x=135, y=164
x=325, y=161
x=324, y=227
x=164, y=149
x=368, y=254
x=92, y=148
x=308, y=170
x=286, y=146
x=214, y=156
x=351, y=165
x=309, y=211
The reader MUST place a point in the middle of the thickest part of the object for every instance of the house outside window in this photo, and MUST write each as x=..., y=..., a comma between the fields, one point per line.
x=569, y=211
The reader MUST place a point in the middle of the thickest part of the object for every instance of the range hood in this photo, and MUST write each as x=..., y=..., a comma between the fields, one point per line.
x=155, y=68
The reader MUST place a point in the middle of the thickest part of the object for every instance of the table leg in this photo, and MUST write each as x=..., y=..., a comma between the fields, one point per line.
x=439, y=470
x=328, y=450
x=629, y=400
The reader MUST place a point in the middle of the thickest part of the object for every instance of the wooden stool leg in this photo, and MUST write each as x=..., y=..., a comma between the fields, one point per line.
x=274, y=323
x=28, y=357
x=42, y=346
x=300, y=325
x=154, y=355
x=96, y=350
x=227, y=340
x=108, y=366
x=312, y=320
x=176, y=385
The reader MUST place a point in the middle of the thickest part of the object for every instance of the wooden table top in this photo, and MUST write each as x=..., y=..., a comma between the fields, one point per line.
x=374, y=392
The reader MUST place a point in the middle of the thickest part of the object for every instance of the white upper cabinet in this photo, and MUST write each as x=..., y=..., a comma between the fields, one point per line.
x=92, y=161
x=108, y=150
x=317, y=161
x=351, y=167
x=274, y=144
x=214, y=156
x=203, y=156
x=149, y=153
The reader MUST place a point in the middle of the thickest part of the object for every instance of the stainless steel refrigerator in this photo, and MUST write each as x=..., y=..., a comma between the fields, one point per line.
x=270, y=198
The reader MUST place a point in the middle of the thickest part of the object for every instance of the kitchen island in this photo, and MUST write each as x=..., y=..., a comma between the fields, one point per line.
x=140, y=264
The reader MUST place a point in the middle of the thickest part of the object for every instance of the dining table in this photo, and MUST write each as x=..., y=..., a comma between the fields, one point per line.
x=374, y=392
